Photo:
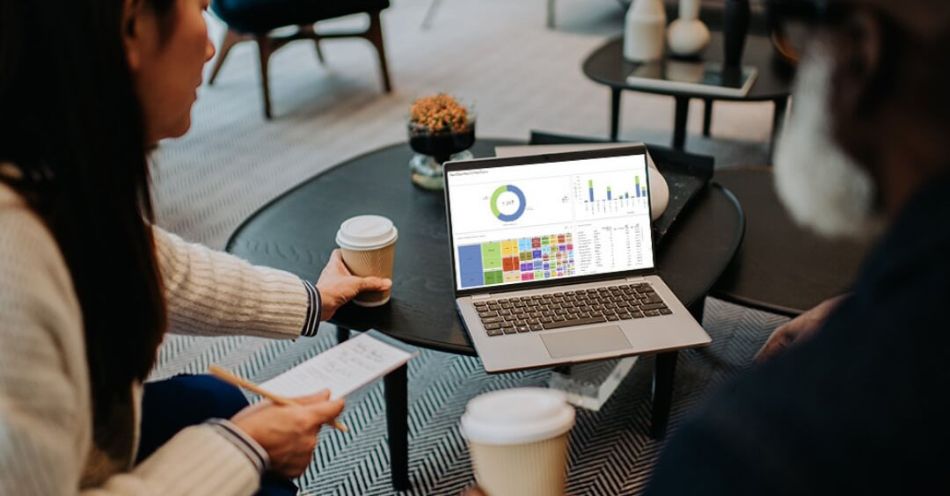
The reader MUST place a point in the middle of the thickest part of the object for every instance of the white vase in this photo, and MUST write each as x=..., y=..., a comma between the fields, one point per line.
x=644, y=31
x=688, y=35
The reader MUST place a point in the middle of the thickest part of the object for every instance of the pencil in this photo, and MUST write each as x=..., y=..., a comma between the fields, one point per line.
x=226, y=376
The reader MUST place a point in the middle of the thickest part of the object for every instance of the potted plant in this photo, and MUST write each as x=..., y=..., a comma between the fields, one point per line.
x=440, y=129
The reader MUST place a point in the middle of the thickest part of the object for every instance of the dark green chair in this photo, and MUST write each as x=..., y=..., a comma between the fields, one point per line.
x=256, y=19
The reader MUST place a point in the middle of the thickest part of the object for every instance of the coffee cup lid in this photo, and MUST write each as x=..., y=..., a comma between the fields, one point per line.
x=517, y=416
x=366, y=232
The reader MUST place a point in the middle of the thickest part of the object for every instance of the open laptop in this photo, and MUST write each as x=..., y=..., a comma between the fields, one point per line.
x=553, y=260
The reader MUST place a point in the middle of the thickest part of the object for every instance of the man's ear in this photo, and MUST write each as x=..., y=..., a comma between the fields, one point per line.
x=857, y=50
x=131, y=33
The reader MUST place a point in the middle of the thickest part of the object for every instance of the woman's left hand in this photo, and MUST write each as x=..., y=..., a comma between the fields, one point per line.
x=338, y=286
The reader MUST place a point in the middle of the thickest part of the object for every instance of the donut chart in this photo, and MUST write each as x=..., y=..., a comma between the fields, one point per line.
x=496, y=211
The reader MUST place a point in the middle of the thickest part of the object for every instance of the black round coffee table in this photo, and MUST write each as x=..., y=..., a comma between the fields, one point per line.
x=296, y=232
x=607, y=66
x=781, y=267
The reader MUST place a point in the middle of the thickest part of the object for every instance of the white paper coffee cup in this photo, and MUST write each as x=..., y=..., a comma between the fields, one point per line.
x=368, y=246
x=519, y=441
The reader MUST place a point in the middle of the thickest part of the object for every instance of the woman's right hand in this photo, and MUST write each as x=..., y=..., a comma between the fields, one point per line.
x=288, y=433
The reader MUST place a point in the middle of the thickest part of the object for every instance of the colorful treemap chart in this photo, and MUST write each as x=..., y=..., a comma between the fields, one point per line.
x=516, y=260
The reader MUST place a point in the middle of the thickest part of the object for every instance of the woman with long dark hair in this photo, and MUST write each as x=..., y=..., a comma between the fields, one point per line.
x=88, y=286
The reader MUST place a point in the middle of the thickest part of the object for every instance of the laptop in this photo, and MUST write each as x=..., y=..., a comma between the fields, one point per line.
x=553, y=260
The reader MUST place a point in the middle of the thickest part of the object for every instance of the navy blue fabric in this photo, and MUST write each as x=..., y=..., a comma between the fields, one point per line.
x=173, y=404
x=861, y=408
x=261, y=16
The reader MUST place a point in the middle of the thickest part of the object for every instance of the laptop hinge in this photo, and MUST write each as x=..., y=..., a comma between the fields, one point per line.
x=481, y=297
x=638, y=278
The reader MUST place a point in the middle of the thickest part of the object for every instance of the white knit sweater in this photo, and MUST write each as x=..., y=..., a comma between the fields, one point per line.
x=45, y=412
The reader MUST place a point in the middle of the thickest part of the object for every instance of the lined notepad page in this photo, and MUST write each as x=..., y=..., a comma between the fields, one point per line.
x=342, y=369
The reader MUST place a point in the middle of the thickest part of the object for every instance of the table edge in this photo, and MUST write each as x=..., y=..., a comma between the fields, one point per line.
x=755, y=304
x=737, y=244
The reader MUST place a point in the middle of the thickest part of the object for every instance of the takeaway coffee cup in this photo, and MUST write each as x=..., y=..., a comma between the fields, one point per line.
x=519, y=439
x=368, y=246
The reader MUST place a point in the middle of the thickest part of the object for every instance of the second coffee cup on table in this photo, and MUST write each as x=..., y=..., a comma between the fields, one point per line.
x=519, y=441
x=368, y=246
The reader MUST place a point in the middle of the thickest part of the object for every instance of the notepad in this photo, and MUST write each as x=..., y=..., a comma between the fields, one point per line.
x=342, y=369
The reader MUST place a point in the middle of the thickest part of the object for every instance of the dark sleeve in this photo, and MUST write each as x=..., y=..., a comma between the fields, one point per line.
x=312, y=322
x=711, y=455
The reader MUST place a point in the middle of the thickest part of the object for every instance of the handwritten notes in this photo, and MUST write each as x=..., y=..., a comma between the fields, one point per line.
x=341, y=369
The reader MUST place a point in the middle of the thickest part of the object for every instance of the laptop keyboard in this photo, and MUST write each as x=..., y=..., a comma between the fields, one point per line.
x=570, y=308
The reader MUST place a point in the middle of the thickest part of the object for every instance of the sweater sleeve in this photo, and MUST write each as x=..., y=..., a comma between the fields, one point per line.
x=45, y=410
x=196, y=461
x=213, y=293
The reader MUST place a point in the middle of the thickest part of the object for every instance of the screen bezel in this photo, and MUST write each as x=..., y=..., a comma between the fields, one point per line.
x=487, y=163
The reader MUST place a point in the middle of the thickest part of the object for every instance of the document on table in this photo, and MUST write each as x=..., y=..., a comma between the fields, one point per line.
x=342, y=369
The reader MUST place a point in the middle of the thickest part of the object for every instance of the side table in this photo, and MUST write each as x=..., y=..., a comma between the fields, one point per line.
x=607, y=66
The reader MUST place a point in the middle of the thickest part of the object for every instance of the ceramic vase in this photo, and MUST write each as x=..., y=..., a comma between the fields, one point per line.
x=644, y=31
x=688, y=36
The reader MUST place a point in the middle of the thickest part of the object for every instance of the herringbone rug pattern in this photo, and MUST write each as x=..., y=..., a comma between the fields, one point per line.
x=611, y=450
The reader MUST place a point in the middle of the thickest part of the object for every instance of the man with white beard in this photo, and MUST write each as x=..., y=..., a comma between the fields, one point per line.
x=851, y=397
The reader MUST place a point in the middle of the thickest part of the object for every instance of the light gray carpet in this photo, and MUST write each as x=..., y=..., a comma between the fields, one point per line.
x=520, y=76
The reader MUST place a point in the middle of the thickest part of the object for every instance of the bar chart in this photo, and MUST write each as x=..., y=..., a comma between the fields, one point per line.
x=610, y=194
x=639, y=191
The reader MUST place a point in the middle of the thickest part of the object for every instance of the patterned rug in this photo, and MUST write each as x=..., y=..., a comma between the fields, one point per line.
x=611, y=450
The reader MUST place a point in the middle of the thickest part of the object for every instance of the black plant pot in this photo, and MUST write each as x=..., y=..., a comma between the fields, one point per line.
x=442, y=145
x=735, y=27
x=432, y=150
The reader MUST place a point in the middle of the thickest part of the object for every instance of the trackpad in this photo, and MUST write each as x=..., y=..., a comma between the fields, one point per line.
x=585, y=341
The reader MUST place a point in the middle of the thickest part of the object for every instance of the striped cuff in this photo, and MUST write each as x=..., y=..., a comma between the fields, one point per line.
x=253, y=451
x=312, y=322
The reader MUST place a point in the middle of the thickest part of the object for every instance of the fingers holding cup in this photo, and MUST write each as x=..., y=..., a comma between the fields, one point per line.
x=368, y=250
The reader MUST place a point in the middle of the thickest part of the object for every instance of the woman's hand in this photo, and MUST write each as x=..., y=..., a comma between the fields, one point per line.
x=798, y=329
x=338, y=286
x=288, y=433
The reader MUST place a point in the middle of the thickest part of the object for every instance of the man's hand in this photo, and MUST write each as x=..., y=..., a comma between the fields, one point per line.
x=798, y=329
x=338, y=286
x=288, y=433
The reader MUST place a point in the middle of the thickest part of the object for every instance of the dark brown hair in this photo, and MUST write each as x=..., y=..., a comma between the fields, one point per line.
x=73, y=125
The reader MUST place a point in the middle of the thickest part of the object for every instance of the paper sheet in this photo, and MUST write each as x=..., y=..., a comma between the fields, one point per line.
x=341, y=369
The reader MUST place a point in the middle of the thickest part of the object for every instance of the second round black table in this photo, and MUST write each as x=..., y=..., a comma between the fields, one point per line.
x=296, y=232
x=782, y=267
x=606, y=65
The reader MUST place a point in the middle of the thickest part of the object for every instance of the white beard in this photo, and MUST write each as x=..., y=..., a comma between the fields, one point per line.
x=821, y=186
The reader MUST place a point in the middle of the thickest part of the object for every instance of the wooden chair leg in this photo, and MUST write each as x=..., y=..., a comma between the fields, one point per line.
x=265, y=48
x=308, y=31
x=316, y=44
x=230, y=39
x=375, y=35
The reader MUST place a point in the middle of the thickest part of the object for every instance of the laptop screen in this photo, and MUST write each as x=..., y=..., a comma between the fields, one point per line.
x=555, y=220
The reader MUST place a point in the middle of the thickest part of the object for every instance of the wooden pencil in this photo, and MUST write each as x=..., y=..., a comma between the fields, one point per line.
x=228, y=377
